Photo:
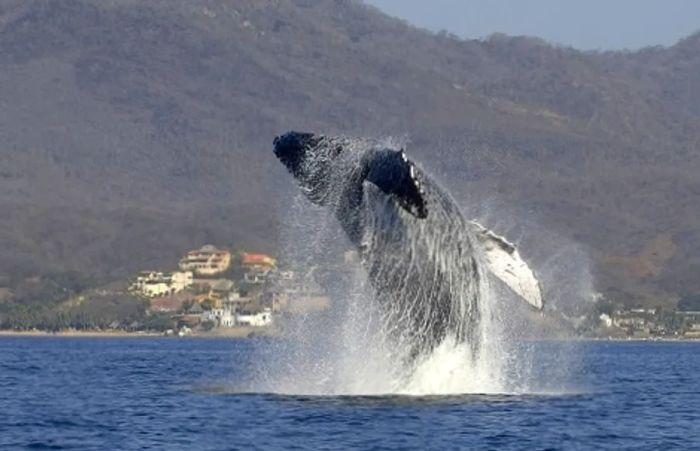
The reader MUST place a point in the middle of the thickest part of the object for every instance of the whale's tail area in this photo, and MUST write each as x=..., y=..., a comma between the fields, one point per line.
x=505, y=263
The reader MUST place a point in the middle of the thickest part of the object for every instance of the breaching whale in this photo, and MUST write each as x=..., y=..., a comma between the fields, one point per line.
x=424, y=260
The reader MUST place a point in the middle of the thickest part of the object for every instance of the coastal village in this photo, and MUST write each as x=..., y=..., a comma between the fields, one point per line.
x=614, y=321
x=219, y=292
x=213, y=291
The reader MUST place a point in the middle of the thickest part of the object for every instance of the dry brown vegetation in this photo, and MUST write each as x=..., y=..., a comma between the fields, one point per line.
x=130, y=131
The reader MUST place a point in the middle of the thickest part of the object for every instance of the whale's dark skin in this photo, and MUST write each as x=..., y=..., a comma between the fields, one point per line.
x=414, y=242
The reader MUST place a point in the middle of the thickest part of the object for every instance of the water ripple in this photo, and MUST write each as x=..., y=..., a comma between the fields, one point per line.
x=59, y=393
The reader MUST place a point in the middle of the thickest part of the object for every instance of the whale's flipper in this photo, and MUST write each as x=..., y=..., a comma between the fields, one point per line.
x=505, y=263
x=395, y=175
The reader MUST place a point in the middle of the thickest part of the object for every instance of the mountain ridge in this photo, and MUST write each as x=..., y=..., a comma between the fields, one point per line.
x=163, y=111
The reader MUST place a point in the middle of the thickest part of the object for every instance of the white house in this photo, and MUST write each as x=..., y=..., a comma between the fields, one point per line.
x=155, y=288
x=254, y=319
x=223, y=317
x=156, y=283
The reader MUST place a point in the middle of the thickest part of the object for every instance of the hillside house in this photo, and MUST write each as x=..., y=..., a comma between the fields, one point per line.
x=155, y=283
x=258, y=261
x=206, y=261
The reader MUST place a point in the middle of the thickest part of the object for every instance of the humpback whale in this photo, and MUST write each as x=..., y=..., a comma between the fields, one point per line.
x=424, y=260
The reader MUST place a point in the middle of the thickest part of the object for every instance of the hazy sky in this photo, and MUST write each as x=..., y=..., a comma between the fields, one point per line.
x=584, y=24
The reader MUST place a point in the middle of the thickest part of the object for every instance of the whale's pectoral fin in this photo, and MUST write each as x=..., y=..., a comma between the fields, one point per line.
x=394, y=174
x=505, y=263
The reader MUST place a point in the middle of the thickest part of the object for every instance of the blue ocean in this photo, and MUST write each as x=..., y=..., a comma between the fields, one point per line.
x=176, y=394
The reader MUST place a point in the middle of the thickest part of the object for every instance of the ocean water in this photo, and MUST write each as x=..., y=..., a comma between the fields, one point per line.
x=172, y=394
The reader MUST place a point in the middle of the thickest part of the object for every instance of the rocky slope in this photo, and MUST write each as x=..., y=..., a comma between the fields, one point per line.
x=130, y=131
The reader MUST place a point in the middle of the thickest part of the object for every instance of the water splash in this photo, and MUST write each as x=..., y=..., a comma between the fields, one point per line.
x=358, y=346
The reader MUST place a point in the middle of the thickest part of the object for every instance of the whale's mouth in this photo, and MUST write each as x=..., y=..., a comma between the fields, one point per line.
x=292, y=149
x=313, y=161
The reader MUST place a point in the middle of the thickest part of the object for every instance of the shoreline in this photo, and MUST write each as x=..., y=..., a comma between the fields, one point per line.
x=239, y=332
x=246, y=332
x=84, y=334
x=664, y=339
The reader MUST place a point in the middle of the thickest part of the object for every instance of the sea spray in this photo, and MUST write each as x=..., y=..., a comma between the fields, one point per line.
x=350, y=349
x=419, y=316
x=416, y=292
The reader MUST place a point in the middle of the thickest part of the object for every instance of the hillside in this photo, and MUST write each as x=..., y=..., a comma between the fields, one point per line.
x=130, y=131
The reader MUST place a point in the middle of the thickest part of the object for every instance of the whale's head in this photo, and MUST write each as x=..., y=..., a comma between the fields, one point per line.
x=312, y=160
x=294, y=149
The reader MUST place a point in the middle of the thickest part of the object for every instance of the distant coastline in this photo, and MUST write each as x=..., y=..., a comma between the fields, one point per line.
x=255, y=332
x=70, y=333
x=233, y=332
x=651, y=338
